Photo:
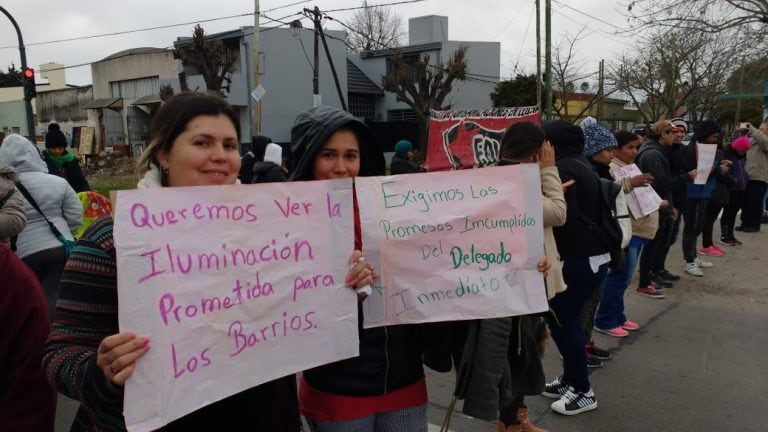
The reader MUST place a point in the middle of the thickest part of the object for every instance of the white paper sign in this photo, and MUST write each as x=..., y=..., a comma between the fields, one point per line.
x=234, y=286
x=453, y=245
x=705, y=161
x=641, y=201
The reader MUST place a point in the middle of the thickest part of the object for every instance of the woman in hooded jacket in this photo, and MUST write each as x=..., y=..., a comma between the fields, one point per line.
x=12, y=216
x=37, y=245
x=383, y=389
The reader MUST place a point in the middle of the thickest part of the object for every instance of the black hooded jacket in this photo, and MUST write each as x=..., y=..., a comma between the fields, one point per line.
x=575, y=240
x=390, y=357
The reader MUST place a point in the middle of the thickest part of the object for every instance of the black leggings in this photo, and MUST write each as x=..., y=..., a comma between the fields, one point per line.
x=710, y=216
x=48, y=265
x=728, y=219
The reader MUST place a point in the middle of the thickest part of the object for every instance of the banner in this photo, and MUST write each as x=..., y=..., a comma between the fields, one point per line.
x=453, y=245
x=705, y=160
x=470, y=138
x=235, y=286
x=641, y=201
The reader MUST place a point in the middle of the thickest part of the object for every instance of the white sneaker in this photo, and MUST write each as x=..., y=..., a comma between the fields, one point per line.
x=703, y=264
x=573, y=403
x=693, y=269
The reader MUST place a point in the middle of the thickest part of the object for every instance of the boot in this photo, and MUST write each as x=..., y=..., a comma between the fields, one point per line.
x=525, y=423
x=500, y=427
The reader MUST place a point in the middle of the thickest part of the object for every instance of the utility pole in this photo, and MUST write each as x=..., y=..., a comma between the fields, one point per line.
x=256, y=80
x=538, y=55
x=600, y=90
x=319, y=34
x=23, y=54
x=548, y=59
x=316, y=101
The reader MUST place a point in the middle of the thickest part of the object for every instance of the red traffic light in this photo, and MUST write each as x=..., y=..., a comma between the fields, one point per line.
x=29, y=73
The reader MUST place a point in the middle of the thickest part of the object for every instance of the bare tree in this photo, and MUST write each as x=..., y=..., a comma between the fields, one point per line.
x=566, y=68
x=423, y=86
x=706, y=15
x=211, y=58
x=374, y=28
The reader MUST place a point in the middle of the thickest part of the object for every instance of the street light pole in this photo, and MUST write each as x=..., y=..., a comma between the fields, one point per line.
x=548, y=59
x=27, y=102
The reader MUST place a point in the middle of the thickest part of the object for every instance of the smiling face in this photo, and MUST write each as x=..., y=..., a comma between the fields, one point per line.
x=205, y=153
x=679, y=135
x=339, y=157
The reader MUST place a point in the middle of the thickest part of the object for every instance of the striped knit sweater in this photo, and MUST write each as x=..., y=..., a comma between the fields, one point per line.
x=86, y=313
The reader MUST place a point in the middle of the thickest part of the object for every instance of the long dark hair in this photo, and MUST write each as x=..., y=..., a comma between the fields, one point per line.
x=519, y=142
x=171, y=120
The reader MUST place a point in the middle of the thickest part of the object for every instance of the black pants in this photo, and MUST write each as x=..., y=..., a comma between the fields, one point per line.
x=752, y=212
x=48, y=265
x=661, y=261
x=710, y=216
x=649, y=257
x=728, y=219
x=694, y=224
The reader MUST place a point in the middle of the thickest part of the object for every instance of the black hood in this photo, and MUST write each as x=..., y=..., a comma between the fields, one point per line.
x=705, y=129
x=566, y=138
x=312, y=129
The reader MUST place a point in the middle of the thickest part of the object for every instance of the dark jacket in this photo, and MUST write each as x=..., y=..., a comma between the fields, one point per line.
x=267, y=172
x=70, y=171
x=390, y=357
x=575, y=239
x=401, y=165
x=677, y=166
x=247, y=161
x=652, y=159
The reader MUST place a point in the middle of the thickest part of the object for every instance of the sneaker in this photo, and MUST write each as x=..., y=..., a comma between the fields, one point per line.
x=597, y=352
x=703, y=264
x=661, y=282
x=615, y=332
x=668, y=275
x=574, y=402
x=738, y=243
x=593, y=362
x=630, y=325
x=693, y=269
x=711, y=251
x=728, y=241
x=556, y=389
x=719, y=248
x=650, y=291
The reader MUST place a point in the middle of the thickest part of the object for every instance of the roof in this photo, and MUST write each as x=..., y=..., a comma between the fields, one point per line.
x=420, y=48
x=147, y=100
x=359, y=83
x=114, y=102
x=134, y=51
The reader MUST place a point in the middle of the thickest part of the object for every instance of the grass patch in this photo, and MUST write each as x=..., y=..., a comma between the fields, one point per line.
x=104, y=185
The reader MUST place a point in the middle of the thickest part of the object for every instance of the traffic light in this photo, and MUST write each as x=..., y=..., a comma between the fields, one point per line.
x=29, y=83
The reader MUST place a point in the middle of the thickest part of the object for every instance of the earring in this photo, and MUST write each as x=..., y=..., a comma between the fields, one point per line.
x=165, y=170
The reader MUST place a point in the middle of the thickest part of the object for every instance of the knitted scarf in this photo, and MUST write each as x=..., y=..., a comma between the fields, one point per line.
x=59, y=161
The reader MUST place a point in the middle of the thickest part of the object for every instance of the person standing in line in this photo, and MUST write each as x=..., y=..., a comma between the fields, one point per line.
x=195, y=140
x=736, y=153
x=652, y=159
x=37, y=245
x=402, y=161
x=270, y=169
x=384, y=388
x=27, y=401
x=757, y=169
x=585, y=263
x=62, y=162
x=255, y=154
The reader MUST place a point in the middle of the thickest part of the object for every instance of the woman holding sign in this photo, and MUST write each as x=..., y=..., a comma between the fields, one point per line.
x=194, y=142
x=384, y=388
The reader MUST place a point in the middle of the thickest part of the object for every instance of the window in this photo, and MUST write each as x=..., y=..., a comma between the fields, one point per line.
x=135, y=88
x=401, y=115
x=362, y=106
x=409, y=60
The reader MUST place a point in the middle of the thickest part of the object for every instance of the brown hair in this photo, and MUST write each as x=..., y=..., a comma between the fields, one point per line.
x=659, y=128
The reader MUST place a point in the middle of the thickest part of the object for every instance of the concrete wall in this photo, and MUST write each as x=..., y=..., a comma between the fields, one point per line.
x=13, y=117
x=141, y=65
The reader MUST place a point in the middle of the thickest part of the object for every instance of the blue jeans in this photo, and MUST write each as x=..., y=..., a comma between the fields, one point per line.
x=405, y=420
x=565, y=326
x=610, y=313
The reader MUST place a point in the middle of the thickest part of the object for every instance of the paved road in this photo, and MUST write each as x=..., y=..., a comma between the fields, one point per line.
x=699, y=362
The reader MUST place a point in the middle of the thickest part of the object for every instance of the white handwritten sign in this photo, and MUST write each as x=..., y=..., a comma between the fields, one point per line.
x=641, y=201
x=234, y=286
x=704, y=161
x=453, y=245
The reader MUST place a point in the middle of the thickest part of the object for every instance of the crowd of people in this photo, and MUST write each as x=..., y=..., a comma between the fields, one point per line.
x=60, y=317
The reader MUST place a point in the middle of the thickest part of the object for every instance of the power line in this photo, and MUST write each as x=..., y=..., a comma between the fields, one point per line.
x=374, y=6
x=525, y=36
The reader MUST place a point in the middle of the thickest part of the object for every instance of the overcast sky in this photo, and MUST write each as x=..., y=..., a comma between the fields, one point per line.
x=511, y=22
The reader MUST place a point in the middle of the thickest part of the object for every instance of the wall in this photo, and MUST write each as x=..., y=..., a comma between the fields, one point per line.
x=13, y=115
x=139, y=65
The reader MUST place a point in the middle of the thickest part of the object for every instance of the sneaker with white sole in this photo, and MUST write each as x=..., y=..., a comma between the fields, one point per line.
x=693, y=269
x=574, y=402
x=555, y=389
x=703, y=264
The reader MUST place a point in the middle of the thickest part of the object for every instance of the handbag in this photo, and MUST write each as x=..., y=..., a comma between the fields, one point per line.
x=68, y=244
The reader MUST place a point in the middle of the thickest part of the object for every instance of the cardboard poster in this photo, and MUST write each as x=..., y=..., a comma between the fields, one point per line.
x=705, y=161
x=641, y=201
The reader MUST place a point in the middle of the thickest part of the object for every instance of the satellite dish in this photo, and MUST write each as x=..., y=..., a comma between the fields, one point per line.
x=584, y=87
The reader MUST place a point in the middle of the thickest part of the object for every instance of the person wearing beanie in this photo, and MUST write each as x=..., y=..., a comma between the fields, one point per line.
x=62, y=162
x=652, y=158
x=402, y=160
x=677, y=166
x=270, y=169
x=585, y=263
x=256, y=153
x=696, y=216
x=736, y=195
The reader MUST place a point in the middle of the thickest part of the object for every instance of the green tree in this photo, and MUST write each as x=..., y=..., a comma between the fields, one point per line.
x=423, y=86
x=743, y=101
x=11, y=78
x=520, y=91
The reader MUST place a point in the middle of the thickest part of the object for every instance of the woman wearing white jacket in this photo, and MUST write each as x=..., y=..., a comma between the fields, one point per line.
x=36, y=245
